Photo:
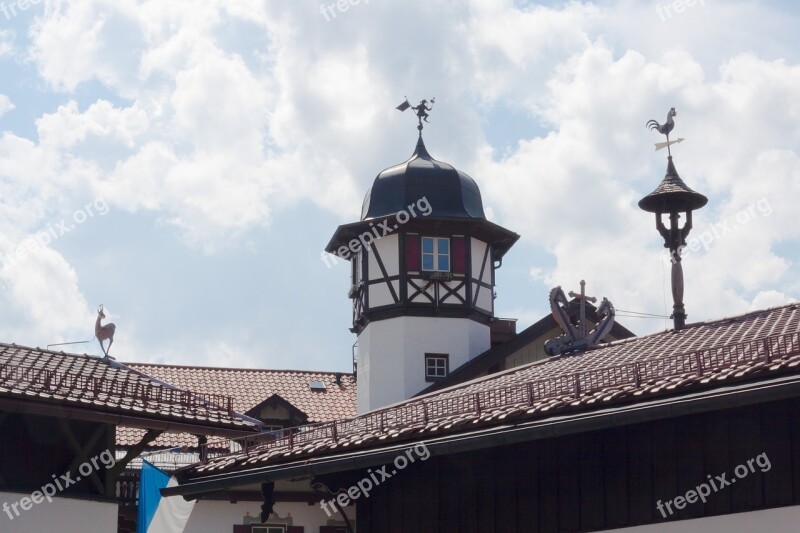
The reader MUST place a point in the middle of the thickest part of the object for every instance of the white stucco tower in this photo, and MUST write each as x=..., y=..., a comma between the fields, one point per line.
x=423, y=258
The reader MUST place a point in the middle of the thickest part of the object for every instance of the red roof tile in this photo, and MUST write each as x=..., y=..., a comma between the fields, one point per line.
x=708, y=354
x=94, y=387
x=250, y=387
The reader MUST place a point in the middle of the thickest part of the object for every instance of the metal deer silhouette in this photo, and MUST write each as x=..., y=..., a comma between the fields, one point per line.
x=104, y=331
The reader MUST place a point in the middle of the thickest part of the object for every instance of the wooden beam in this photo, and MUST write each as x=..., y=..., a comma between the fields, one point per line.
x=133, y=452
x=82, y=452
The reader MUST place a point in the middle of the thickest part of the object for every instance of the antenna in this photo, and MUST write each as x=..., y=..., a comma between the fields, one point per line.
x=66, y=343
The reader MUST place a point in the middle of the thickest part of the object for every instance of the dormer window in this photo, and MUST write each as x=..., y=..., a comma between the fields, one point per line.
x=436, y=254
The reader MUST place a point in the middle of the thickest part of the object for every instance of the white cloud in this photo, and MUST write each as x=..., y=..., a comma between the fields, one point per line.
x=215, y=117
x=41, y=298
x=6, y=43
x=5, y=104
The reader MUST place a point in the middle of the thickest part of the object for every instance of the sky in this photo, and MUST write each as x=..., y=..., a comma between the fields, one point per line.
x=184, y=163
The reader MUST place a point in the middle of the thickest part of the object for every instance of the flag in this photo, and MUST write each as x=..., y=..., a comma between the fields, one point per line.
x=405, y=105
x=156, y=513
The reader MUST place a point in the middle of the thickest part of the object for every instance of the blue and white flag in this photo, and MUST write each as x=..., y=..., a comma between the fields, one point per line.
x=158, y=514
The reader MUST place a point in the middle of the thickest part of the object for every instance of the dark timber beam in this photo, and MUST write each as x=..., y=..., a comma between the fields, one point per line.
x=82, y=452
x=133, y=452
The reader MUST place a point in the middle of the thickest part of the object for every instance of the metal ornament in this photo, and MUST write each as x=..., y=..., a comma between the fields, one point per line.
x=673, y=197
x=665, y=129
x=578, y=336
x=104, y=331
x=421, y=110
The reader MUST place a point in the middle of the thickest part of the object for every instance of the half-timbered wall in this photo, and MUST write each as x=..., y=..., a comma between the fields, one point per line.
x=600, y=480
x=383, y=272
x=482, y=275
x=389, y=275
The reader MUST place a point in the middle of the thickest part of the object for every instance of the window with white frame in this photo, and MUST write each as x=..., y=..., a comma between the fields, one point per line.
x=436, y=254
x=436, y=366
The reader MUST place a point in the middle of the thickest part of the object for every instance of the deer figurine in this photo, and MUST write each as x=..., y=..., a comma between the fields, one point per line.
x=103, y=332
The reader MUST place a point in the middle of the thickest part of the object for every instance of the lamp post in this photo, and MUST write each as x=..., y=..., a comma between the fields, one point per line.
x=673, y=197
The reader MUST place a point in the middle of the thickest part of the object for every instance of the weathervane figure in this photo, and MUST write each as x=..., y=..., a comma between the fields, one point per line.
x=665, y=129
x=421, y=109
x=104, y=332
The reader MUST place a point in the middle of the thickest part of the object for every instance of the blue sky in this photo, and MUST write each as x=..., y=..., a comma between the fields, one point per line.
x=201, y=156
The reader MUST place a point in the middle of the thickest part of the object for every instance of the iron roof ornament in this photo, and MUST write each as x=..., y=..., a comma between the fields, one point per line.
x=577, y=336
x=665, y=129
x=672, y=197
x=421, y=109
x=104, y=331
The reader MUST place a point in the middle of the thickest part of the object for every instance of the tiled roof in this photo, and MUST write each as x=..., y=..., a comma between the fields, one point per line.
x=481, y=363
x=703, y=355
x=250, y=387
x=94, y=388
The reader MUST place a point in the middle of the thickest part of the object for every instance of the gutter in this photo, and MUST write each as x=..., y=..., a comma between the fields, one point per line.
x=713, y=400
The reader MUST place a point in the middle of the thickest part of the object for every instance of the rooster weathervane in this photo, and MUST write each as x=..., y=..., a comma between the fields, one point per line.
x=665, y=129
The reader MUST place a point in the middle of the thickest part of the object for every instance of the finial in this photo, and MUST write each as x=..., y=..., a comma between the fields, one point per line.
x=665, y=129
x=421, y=109
x=673, y=197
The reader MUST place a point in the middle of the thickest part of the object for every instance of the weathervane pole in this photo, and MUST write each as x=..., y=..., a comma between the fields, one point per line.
x=673, y=197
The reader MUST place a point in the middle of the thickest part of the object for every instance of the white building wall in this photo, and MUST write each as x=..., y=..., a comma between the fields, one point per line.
x=62, y=515
x=391, y=354
x=780, y=520
x=218, y=517
x=388, y=248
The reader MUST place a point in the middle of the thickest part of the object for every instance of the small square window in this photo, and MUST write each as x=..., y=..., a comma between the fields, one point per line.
x=436, y=366
x=436, y=254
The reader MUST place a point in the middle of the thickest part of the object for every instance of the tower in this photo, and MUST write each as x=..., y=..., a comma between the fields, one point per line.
x=423, y=260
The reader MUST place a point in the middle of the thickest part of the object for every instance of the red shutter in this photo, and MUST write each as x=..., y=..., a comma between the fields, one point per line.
x=412, y=252
x=459, y=256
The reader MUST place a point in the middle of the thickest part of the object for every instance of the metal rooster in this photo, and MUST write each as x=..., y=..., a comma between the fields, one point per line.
x=665, y=129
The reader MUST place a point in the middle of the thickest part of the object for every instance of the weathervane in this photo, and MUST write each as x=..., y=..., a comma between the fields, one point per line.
x=578, y=336
x=665, y=129
x=104, y=331
x=421, y=109
x=673, y=197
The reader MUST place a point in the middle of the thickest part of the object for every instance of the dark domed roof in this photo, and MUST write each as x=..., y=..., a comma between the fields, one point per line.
x=450, y=192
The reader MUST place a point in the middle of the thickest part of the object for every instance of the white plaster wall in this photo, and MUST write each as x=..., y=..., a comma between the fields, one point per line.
x=780, y=520
x=219, y=517
x=379, y=294
x=391, y=355
x=485, y=299
x=62, y=515
x=389, y=249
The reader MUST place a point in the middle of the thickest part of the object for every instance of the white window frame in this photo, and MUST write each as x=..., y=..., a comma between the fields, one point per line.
x=440, y=370
x=436, y=254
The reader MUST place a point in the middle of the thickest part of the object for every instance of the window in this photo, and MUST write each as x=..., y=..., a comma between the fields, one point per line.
x=436, y=254
x=269, y=529
x=435, y=366
x=317, y=385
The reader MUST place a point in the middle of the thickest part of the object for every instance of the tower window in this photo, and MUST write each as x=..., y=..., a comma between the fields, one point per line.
x=436, y=366
x=436, y=254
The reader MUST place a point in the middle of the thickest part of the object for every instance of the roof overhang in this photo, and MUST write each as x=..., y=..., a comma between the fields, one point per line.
x=34, y=407
x=736, y=395
x=500, y=238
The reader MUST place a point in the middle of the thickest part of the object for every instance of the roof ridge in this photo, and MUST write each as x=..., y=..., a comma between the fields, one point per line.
x=45, y=350
x=237, y=369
